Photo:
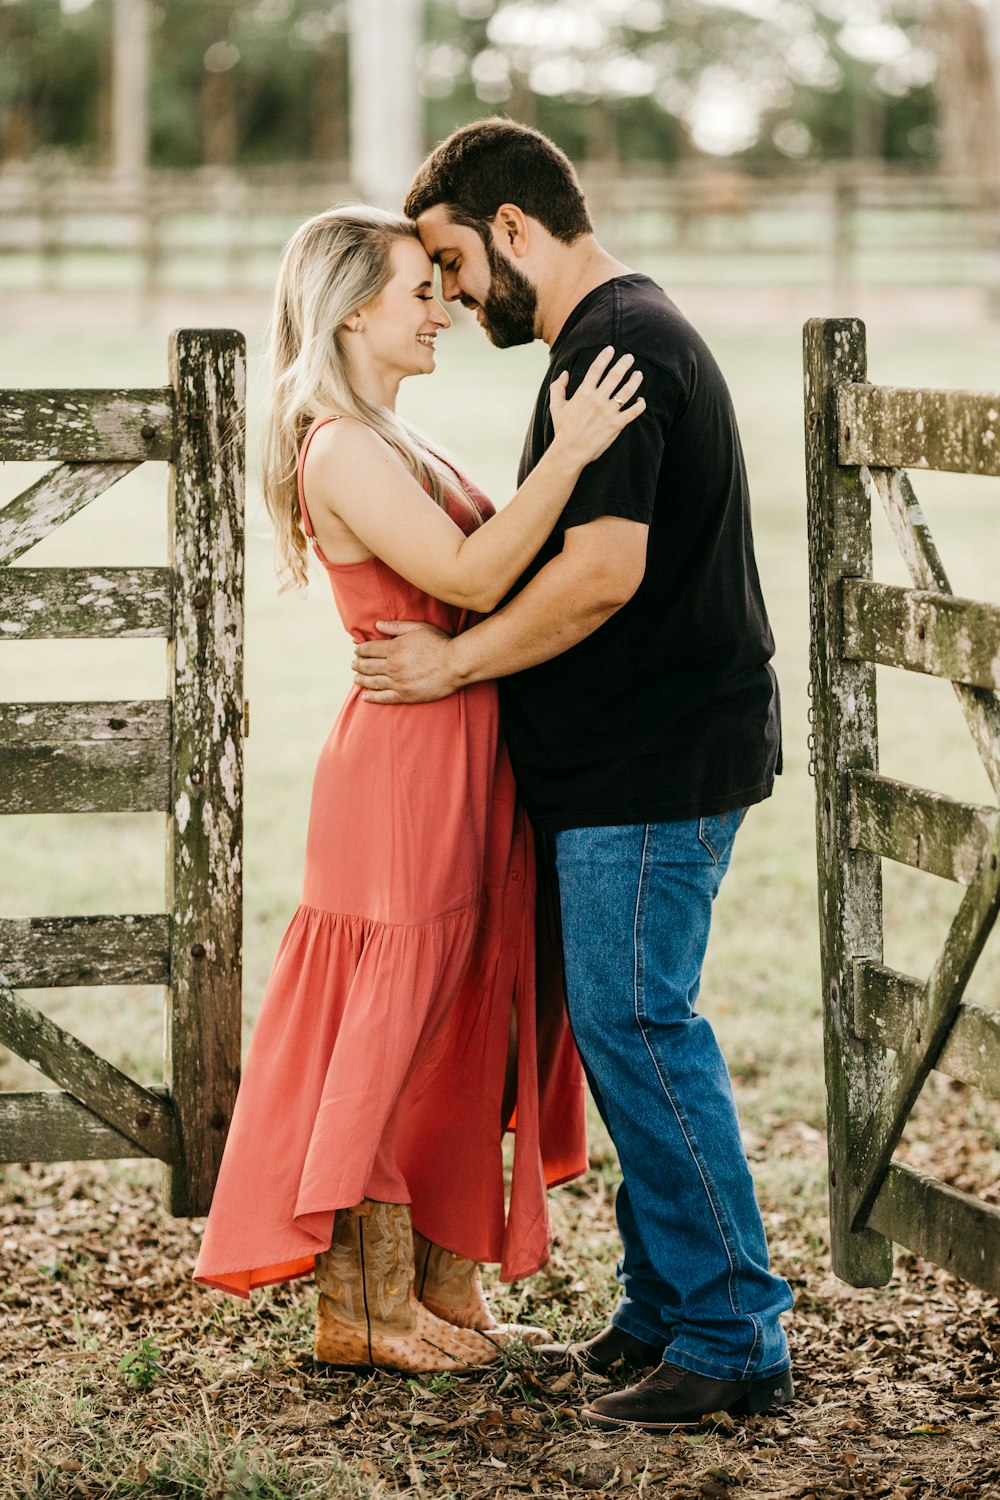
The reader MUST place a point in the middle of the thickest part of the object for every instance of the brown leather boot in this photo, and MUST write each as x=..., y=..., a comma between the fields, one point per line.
x=368, y=1317
x=452, y=1288
x=601, y=1353
x=671, y=1397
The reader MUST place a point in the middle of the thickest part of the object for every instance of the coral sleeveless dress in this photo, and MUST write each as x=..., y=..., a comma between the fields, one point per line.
x=377, y=1064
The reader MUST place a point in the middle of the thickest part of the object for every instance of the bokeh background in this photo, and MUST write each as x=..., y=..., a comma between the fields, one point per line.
x=766, y=161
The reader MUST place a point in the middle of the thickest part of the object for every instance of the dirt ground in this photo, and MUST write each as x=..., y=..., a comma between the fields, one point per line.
x=897, y=1392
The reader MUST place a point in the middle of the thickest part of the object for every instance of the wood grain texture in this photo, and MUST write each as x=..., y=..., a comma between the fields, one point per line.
x=50, y=1125
x=86, y=776
x=879, y=1133
x=980, y=706
x=87, y=426
x=50, y=952
x=920, y=828
x=895, y=427
x=204, y=859
x=48, y=723
x=843, y=694
x=63, y=603
x=953, y=1229
x=940, y=635
x=892, y=1010
x=32, y=515
x=141, y=1117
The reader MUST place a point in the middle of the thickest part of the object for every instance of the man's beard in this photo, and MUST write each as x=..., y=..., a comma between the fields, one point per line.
x=511, y=302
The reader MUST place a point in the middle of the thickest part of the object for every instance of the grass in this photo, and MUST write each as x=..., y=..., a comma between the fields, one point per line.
x=763, y=956
x=761, y=985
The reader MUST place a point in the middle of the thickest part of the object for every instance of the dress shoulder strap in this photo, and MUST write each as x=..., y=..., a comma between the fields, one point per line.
x=320, y=422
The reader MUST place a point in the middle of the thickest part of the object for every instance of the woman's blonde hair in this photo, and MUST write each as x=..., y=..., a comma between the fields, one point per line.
x=333, y=265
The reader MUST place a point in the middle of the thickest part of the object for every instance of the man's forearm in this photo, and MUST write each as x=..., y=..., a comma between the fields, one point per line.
x=553, y=612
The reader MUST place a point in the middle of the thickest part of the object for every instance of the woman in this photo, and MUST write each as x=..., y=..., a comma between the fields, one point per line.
x=406, y=1024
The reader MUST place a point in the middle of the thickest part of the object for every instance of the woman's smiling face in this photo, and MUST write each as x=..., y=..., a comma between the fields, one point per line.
x=403, y=321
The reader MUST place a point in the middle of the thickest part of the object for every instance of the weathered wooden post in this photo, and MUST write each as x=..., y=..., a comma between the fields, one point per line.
x=204, y=858
x=180, y=755
x=886, y=1031
x=846, y=739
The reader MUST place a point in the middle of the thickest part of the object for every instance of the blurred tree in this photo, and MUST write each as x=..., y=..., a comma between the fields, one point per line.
x=130, y=89
x=966, y=34
x=50, y=62
x=767, y=81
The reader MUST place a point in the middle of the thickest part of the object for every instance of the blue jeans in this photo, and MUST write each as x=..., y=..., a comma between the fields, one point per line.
x=636, y=908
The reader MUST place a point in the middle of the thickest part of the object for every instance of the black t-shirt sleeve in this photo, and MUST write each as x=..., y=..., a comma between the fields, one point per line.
x=623, y=481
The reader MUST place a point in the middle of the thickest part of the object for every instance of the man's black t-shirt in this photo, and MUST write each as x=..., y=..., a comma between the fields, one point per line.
x=670, y=709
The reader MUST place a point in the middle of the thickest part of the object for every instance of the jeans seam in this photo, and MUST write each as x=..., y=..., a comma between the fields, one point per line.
x=638, y=975
x=638, y=965
x=706, y=843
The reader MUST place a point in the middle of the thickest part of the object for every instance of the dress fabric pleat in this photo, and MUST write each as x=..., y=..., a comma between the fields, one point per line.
x=377, y=1063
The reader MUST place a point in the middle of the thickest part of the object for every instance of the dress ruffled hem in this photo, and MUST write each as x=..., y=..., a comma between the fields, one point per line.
x=348, y=1093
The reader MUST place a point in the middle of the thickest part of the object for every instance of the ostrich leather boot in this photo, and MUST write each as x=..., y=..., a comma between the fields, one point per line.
x=368, y=1317
x=451, y=1288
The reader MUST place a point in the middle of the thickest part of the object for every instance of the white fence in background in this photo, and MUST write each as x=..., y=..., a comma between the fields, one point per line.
x=836, y=228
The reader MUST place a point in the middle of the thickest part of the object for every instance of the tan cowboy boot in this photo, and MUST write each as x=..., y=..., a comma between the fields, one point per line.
x=451, y=1287
x=368, y=1316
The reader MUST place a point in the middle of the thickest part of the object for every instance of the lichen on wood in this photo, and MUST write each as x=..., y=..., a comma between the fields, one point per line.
x=87, y=426
x=204, y=863
x=843, y=695
x=181, y=755
x=892, y=1010
x=884, y=1031
x=49, y=952
x=891, y=427
x=917, y=827
x=32, y=515
x=937, y=634
x=63, y=603
x=140, y=1117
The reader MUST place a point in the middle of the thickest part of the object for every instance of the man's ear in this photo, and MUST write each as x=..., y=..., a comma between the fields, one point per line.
x=512, y=229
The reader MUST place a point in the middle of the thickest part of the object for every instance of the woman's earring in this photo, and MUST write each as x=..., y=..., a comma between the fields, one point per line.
x=359, y=327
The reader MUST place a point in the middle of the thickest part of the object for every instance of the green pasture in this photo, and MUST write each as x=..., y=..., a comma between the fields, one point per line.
x=761, y=984
x=761, y=244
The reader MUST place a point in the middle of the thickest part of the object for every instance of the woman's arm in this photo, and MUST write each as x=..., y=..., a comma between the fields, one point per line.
x=354, y=474
x=597, y=572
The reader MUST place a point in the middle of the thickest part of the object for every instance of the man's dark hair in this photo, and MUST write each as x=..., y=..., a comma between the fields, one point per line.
x=498, y=161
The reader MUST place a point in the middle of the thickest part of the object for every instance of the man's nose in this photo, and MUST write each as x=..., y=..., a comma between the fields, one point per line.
x=449, y=286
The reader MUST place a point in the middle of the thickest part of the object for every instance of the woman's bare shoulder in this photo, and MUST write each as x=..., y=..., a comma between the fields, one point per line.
x=344, y=449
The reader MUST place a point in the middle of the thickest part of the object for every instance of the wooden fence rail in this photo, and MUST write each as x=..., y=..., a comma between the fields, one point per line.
x=838, y=226
x=180, y=755
x=885, y=1031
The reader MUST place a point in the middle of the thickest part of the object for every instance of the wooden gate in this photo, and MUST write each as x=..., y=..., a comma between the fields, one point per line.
x=885, y=1031
x=181, y=755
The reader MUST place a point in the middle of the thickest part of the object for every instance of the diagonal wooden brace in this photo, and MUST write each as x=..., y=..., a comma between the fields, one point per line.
x=942, y=997
x=32, y=515
x=136, y=1113
x=981, y=706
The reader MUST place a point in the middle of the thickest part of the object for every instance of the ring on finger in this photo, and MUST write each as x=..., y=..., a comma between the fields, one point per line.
x=619, y=401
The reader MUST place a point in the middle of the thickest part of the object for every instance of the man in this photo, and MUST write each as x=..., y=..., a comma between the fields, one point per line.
x=641, y=715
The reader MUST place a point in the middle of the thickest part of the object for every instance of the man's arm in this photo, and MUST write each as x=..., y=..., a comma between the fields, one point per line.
x=598, y=570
